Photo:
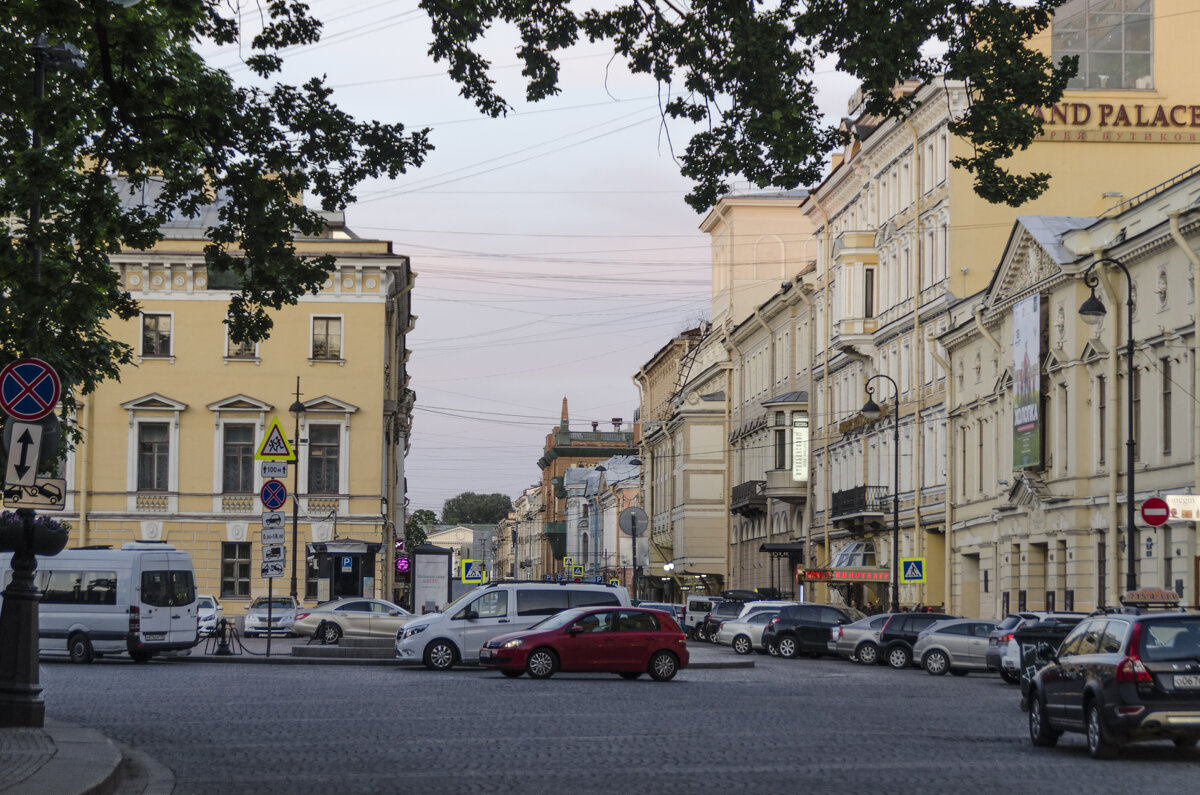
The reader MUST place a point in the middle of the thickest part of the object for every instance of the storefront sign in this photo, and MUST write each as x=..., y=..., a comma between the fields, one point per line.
x=845, y=575
x=1184, y=507
x=799, y=447
x=1116, y=122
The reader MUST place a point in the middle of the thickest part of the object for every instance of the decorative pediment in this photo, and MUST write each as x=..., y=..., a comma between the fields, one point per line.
x=1093, y=351
x=240, y=403
x=154, y=402
x=1051, y=362
x=1004, y=382
x=1034, y=254
x=1027, y=489
x=328, y=405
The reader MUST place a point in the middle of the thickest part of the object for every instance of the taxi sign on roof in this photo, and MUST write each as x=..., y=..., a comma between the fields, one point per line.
x=275, y=445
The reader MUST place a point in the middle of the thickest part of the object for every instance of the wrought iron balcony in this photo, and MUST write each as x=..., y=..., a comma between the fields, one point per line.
x=749, y=498
x=861, y=506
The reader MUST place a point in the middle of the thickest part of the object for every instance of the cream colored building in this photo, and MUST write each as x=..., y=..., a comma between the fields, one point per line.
x=1049, y=530
x=168, y=451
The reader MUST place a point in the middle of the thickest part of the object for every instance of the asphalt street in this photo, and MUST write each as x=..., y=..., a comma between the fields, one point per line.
x=784, y=725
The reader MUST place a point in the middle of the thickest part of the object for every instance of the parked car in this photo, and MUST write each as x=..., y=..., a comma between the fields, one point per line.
x=442, y=640
x=759, y=605
x=1010, y=660
x=208, y=613
x=957, y=646
x=695, y=611
x=628, y=641
x=998, y=641
x=807, y=628
x=282, y=616
x=745, y=635
x=722, y=611
x=675, y=610
x=1121, y=678
x=352, y=617
x=859, y=642
x=899, y=633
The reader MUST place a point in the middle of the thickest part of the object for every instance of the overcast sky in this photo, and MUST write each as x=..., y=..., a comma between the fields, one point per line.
x=554, y=250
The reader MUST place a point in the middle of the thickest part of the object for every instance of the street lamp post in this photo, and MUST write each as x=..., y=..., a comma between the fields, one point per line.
x=872, y=411
x=1092, y=311
x=297, y=410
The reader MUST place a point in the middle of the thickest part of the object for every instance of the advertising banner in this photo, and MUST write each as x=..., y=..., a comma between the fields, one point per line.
x=799, y=447
x=1027, y=378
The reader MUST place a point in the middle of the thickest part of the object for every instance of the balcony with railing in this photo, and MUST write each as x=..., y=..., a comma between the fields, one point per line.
x=782, y=485
x=749, y=498
x=861, y=509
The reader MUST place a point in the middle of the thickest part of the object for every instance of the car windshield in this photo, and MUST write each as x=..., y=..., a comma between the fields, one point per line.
x=853, y=614
x=1009, y=622
x=205, y=602
x=278, y=603
x=1176, y=638
x=559, y=620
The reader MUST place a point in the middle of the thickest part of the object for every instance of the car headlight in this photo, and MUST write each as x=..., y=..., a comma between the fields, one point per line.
x=512, y=644
x=408, y=633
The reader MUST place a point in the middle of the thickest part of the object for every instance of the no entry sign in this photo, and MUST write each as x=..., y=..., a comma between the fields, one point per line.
x=1155, y=512
x=29, y=389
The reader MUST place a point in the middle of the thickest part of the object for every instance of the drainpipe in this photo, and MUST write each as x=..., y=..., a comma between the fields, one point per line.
x=983, y=329
x=733, y=398
x=808, y=514
x=83, y=478
x=1177, y=236
x=918, y=368
x=949, y=503
x=823, y=283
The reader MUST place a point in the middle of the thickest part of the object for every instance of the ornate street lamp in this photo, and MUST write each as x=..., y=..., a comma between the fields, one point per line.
x=297, y=409
x=1093, y=313
x=872, y=411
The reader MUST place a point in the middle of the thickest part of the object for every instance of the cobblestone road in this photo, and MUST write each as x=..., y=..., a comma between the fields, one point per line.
x=783, y=726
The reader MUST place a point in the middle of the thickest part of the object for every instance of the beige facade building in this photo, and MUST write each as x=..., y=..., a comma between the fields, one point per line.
x=168, y=451
x=1039, y=483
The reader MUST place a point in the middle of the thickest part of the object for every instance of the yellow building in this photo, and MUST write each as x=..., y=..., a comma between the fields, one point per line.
x=169, y=450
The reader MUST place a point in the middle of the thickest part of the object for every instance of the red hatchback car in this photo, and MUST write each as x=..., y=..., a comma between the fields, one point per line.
x=628, y=641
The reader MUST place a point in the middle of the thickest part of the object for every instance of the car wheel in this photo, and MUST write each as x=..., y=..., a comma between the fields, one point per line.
x=80, y=648
x=867, y=653
x=663, y=666
x=899, y=657
x=332, y=633
x=936, y=663
x=741, y=644
x=630, y=674
x=787, y=647
x=440, y=655
x=1099, y=746
x=542, y=664
x=773, y=649
x=1010, y=677
x=1040, y=733
x=511, y=674
x=1185, y=742
x=141, y=656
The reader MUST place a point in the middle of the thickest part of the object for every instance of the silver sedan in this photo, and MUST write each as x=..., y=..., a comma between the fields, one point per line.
x=352, y=617
x=859, y=642
x=957, y=646
x=745, y=635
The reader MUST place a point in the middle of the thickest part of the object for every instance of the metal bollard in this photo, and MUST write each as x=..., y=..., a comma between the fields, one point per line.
x=223, y=639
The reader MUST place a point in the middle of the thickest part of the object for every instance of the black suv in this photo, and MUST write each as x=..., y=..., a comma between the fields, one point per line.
x=898, y=635
x=805, y=629
x=1121, y=677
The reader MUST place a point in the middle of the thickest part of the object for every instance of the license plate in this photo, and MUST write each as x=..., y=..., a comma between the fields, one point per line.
x=1188, y=681
x=484, y=653
x=156, y=636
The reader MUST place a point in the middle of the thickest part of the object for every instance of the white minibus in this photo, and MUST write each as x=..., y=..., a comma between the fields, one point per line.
x=139, y=600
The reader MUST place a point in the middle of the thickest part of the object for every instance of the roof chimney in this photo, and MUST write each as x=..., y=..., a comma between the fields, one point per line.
x=595, y=426
x=616, y=421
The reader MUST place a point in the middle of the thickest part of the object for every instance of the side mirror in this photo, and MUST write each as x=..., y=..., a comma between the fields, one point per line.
x=470, y=615
x=393, y=612
x=574, y=629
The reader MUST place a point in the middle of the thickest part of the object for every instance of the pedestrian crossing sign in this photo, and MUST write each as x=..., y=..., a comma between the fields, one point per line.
x=275, y=445
x=568, y=561
x=577, y=571
x=912, y=570
x=472, y=571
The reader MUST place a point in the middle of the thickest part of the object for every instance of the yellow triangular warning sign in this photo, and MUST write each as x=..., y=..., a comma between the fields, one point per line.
x=275, y=446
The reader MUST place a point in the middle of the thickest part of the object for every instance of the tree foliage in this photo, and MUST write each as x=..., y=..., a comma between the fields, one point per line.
x=472, y=508
x=182, y=136
x=746, y=69
x=415, y=531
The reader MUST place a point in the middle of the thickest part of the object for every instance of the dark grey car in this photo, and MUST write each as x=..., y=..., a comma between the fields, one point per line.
x=1121, y=678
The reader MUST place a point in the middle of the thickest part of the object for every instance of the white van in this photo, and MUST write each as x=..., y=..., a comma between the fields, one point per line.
x=139, y=599
x=440, y=640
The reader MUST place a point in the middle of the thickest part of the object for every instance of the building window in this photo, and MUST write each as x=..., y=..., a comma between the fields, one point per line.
x=156, y=335
x=1101, y=418
x=869, y=293
x=326, y=338
x=781, y=441
x=237, y=469
x=1115, y=45
x=1166, y=407
x=324, y=443
x=239, y=350
x=235, y=568
x=154, y=454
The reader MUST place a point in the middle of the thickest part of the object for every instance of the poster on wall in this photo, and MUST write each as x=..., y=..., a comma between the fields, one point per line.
x=1027, y=393
x=799, y=447
x=431, y=582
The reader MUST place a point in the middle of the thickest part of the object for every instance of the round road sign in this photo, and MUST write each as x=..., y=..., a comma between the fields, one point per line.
x=273, y=494
x=633, y=521
x=1154, y=511
x=29, y=389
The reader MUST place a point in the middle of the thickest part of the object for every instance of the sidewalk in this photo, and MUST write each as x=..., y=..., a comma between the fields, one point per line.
x=60, y=758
